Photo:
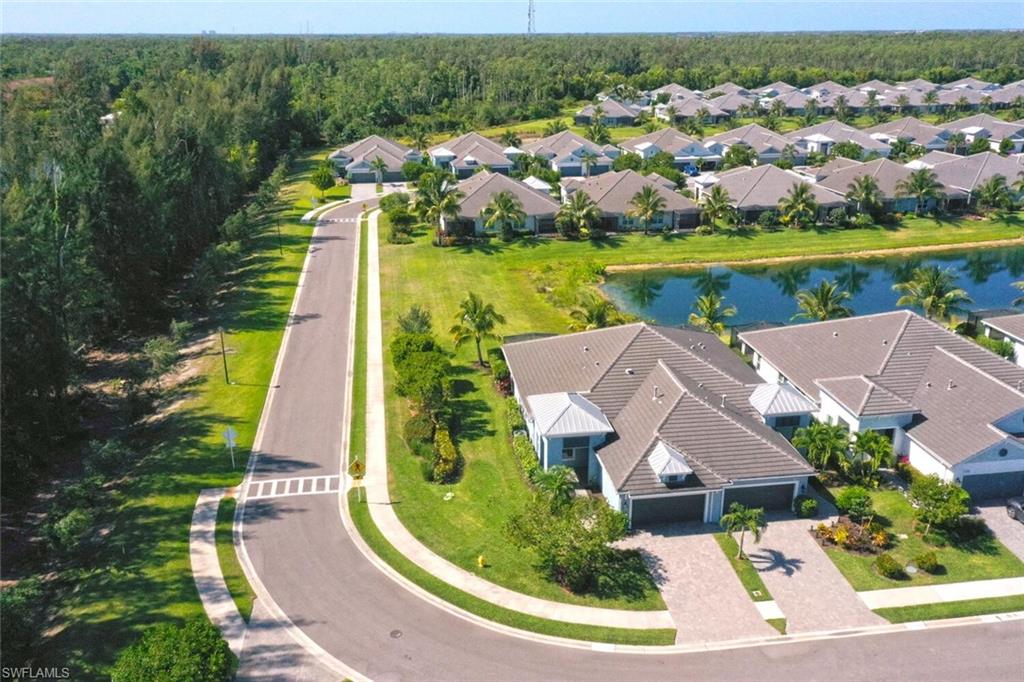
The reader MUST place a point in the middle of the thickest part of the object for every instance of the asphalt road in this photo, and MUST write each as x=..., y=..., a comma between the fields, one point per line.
x=317, y=576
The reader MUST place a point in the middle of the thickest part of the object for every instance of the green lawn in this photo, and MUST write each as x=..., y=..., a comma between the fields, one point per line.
x=745, y=571
x=142, y=574
x=491, y=488
x=987, y=559
x=591, y=633
x=237, y=584
x=956, y=609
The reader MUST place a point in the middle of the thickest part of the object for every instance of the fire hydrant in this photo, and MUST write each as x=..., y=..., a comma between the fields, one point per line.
x=480, y=561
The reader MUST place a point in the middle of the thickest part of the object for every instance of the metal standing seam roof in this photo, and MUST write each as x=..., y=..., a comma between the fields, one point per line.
x=665, y=460
x=567, y=414
x=667, y=140
x=771, y=400
x=1010, y=325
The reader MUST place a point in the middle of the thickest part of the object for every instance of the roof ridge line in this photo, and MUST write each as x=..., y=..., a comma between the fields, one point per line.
x=980, y=371
x=696, y=357
x=655, y=436
x=895, y=342
x=640, y=327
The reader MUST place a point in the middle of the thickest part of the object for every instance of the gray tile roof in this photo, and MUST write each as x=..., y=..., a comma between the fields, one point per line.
x=364, y=151
x=612, y=109
x=762, y=187
x=898, y=358
x=888, y=174
x=480, y=188
x=667, y=140
x=965, y=174
x=840, y=132
x=564, y=144
x=755, y=136
x=1010, y=325
x=473, y=147
x=732, y=102
x=998, y=128
x=911, y=129
x=613, y=192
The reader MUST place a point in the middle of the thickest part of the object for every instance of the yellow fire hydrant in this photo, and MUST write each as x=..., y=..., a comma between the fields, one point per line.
x=480, y=561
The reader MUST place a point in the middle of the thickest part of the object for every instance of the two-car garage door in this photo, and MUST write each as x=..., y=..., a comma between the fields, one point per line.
x=767, y=497
x=989, y=486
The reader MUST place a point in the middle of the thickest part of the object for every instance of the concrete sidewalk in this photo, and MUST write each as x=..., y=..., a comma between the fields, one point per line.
x=934, y=594
x=213, y=591
x=383, y=514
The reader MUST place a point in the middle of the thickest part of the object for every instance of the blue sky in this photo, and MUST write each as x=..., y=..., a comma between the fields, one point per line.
x=501, y=16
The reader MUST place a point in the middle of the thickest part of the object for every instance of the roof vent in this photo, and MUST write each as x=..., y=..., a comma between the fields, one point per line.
x=950, y=385
x=586, y=349
x=657, y=393
x=1020, y=385
x=723, y=400
x=885, y=342
x=629, y=371
x=928, y=384
x=835, y=333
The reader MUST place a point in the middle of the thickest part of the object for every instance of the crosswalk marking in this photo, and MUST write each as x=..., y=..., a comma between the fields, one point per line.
x=290, y=487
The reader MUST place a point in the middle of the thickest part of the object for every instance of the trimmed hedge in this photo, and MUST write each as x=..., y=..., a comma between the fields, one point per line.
x=527, y=456
x=514, y=416
x=805, y=506
x=446, y=457
x=927, y=562
x=888, y=567
x=418, y=429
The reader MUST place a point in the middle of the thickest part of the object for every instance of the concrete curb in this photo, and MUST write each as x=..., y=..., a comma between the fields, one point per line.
x=309, y=215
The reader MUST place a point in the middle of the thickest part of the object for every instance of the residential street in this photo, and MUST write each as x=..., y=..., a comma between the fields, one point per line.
x=357, y=614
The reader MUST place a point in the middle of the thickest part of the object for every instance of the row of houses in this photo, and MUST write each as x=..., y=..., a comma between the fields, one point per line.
x=377, y=159
x=670, y=425
x=675, y=103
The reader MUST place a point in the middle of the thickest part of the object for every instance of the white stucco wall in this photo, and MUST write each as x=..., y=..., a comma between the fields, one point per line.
x=609, y=491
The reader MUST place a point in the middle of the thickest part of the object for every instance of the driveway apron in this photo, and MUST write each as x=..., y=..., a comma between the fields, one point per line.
x=1008, y=531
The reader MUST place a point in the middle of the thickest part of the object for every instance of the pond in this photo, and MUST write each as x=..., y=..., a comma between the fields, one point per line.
x=767, y=293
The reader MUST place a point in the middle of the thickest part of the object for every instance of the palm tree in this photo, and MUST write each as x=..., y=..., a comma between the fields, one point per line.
x=922, y=185
x=670, y=112
x=825, y=444
x=587, y=159
x=379, y=166
x=994, y=194
x=592, y=312
x=743, y=519
x=810, y=116
x=510, y=138
x=476, y=322
x=710, y=315
x=871, y=451
x=931, y=98
x=437, y=197
x=556, y=126
x=933, y=290
x=824, y=302
x=955, y=142
x=645, y=205
x=902, y=102
x=558, y=483
x=420, y=139
x=702, y=115
x=717, y=205
x=841, y=107
x=799, y=206
x=597, y=132
x=864, y=192
x=578, y=215
x=506, y=212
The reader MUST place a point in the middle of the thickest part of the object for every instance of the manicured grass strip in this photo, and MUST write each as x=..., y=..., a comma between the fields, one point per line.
x=745, y=571
x=778, y=623
x=357, y=433
x=385, y=550
x=955, y=609
x=237, y=584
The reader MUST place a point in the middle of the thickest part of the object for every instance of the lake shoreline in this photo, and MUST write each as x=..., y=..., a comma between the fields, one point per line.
x=781, y=260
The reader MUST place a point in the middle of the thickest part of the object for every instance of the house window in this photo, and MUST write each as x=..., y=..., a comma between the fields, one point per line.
x=787, y=422
x=842, y=423
x=1003, y=452
x=575, y=449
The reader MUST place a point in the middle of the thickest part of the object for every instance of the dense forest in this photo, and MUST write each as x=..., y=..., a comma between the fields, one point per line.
x=110, y=230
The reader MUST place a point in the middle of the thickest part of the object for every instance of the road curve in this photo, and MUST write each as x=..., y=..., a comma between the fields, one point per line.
x=305, y=559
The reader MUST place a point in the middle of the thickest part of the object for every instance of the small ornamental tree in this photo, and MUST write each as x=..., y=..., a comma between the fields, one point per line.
x=322, y=178
x=855, y=501
x=193, y=652
x=938, y=503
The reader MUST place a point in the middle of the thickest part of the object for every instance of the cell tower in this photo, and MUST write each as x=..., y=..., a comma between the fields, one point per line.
x=531, y=27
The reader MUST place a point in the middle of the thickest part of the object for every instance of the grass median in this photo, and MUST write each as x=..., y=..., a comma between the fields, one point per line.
x=234, y=577
x=955, y=609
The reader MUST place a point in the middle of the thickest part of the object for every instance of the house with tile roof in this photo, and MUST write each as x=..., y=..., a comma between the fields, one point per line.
x=567, y=152
x=668, y=423
x=752, y=191
x=911, y=130
x=613, y=113
x=767, y=144
x=821, y=138
x=356, y=160
x=466, y=154
x=613, y=193
x=887, y=174
x=962, y=175
x=481, y=188
x=684, y=149
x=987, y=126
x=949, y=406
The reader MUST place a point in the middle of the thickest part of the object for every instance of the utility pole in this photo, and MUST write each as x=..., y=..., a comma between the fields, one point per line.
x=531, y=27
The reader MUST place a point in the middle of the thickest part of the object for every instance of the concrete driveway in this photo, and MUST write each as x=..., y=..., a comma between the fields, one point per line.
x=706, y=599
x=1008, y=531
x=804, y=582
x=364, y=191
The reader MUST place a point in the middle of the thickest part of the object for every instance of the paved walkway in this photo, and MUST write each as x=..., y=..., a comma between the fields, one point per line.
x=700, y=588
x=804, y=582
x=934, y=594
x=202, y=549
x=1008, y=531
x=383, y=514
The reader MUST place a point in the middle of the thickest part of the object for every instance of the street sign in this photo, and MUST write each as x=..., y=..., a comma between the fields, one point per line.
x=229, y=437
x=357, y=469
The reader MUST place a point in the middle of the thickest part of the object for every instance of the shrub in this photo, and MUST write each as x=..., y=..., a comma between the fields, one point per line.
x=938, y=503
x=418, y=429
x=21, y=623
x=805, y=506
x=854, y=501
x=927, y=562
x=106, y=458
x=767, y=220
x=416, y=321
x=425, y=379
x=195, y=652
x=446, y=457
x=406, y=343
x=880, y=539
x=863, y=220
x=522, y=448
x=394, y=201
x=837, y=217
x=69, y=534
x=1003, y=348
x=180, y=331
x=704, y=230
x=501, y=374
x=514, y=415
x=424, y=450
x=888, y=567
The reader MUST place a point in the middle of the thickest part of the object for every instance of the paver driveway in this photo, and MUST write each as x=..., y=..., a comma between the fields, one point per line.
x=702, y=592
x=804, y=582
x=1008, y=531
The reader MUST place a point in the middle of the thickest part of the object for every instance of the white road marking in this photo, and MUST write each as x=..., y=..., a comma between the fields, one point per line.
x=290, y=487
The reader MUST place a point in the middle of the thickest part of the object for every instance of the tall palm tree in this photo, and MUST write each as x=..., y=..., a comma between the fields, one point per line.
x=931, y=98
x=994, y=194
x=670, y=112
x=717, y=205
x=504, y=211
x=420, y=139
x=841, y=107
x=870, y=452
x=933, y=290
x=824, y=302
x=709, y=314
x=578, y=215
x=646, y=205
x=476, y=322
x=922, y=185
x=702, y=115
x=592, y=312
x=799, y=207
x=864, y=192
x=810, y=115
x=556, y=126
x=438, y=197
x=379, y=166
x=598, y=133
x=743, y=519
x=825, y=444
x=955, y=142
x=902, y=102
x=558, y=483
x=510, y=138
x=587, y=159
